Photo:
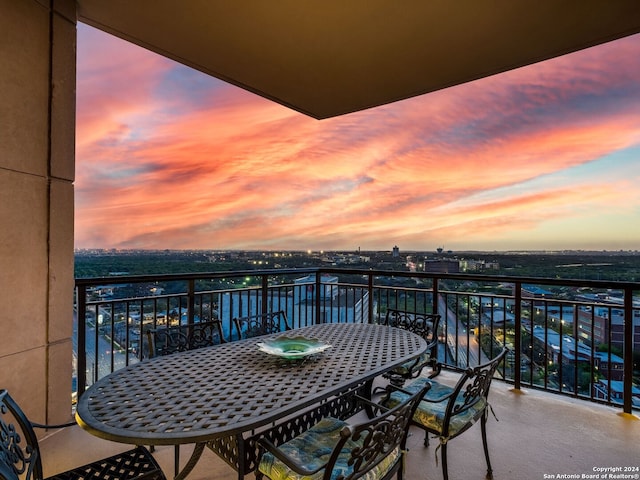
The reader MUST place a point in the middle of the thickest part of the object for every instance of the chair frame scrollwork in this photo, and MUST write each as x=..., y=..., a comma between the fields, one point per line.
x=14, y=459
x=471, y=388
x=20, y=453
x=261, y=324
x=424, y=324
x=165, y=340
x=377, y=437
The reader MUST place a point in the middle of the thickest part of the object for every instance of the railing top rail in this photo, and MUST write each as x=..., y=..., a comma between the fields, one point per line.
x=611, y=284
x=488, y=278
x=167, y=277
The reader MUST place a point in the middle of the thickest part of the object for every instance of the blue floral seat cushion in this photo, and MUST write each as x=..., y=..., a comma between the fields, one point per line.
x=409, y=367
x=313, y=449
x=431, y=414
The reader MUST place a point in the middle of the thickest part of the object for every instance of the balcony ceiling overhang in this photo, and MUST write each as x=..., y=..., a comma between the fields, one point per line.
x=332, y=57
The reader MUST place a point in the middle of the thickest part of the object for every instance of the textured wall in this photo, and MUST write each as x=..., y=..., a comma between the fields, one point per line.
x=37, y=134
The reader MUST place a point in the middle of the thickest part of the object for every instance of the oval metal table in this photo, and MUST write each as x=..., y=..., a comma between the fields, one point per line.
x=225, y=395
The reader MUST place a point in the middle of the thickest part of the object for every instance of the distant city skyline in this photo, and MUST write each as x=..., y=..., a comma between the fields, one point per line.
x=545, y=157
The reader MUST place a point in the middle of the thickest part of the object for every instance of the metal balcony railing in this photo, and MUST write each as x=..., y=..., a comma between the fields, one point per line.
x=572, y=337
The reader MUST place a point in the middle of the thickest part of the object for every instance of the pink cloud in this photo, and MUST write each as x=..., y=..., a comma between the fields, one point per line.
x=217, y=167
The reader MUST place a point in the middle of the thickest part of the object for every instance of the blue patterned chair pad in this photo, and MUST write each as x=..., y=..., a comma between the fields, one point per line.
x=313, y=449
x=431, y=415
x=408, y=367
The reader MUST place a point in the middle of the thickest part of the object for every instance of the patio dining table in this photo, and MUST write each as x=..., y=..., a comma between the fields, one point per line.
x=224, y=396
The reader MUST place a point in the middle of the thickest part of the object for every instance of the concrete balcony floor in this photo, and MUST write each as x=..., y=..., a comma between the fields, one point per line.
x=537, y=433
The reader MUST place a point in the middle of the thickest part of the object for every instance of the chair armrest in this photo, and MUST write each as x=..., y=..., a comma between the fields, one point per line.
x=452, y=367
x=286, y=459
x=433, y=343
x=283, y=314
x=375, y=406
x=391, y=388
x=440, y=399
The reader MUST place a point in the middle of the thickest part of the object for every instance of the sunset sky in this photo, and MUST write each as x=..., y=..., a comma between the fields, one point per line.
x=544, y=157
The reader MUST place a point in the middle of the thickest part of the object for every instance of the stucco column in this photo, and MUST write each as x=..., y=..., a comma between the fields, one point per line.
x=37, y=137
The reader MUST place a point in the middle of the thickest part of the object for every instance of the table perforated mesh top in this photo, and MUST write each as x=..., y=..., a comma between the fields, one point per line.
x=217, y=391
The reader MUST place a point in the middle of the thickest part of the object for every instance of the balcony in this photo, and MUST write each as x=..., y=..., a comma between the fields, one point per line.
x=566, y=402
x=537, y=433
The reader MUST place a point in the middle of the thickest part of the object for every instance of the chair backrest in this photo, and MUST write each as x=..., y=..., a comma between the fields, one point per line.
x=261, y=324
x=164, y=340
x=423, y=324
x=470, y=397
x=380, y=437
x=19, y=450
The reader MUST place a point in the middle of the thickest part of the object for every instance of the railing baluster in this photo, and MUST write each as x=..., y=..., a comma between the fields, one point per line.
x=191, y=301
x=627, y=374
x=318, y=318
x=81, y=319
x=517, y=341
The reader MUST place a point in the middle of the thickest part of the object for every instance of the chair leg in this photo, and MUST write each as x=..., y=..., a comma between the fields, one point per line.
x=176, y=459
x=426, y=438
x=445, y=471
x=483, y=427
x=436, y=368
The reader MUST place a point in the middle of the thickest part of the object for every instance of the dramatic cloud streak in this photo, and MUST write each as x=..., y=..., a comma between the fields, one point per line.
x=540, y=157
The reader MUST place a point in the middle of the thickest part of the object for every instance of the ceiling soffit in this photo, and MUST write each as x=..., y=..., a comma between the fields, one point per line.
x=335, y=57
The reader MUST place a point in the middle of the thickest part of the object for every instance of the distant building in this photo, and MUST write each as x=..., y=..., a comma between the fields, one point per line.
x=335, y=305
x=532, y=291
x=442, y=266
x=614, y=319
x=568, y=350
x=608, y=322
x=347, y=259
x=396, y=251
x=615, y=371
x=306, y=286
x=601, y=391
x=470, y=265
x=411, y=263
x=498, y=317
x=558, y=347
x=600, y=324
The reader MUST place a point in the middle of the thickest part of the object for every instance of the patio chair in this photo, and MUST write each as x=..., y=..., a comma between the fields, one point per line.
x=20, y=454
x=261, y=324
x=425, y=325
x=336, y=449
x=165, y=340
x=447, y=412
